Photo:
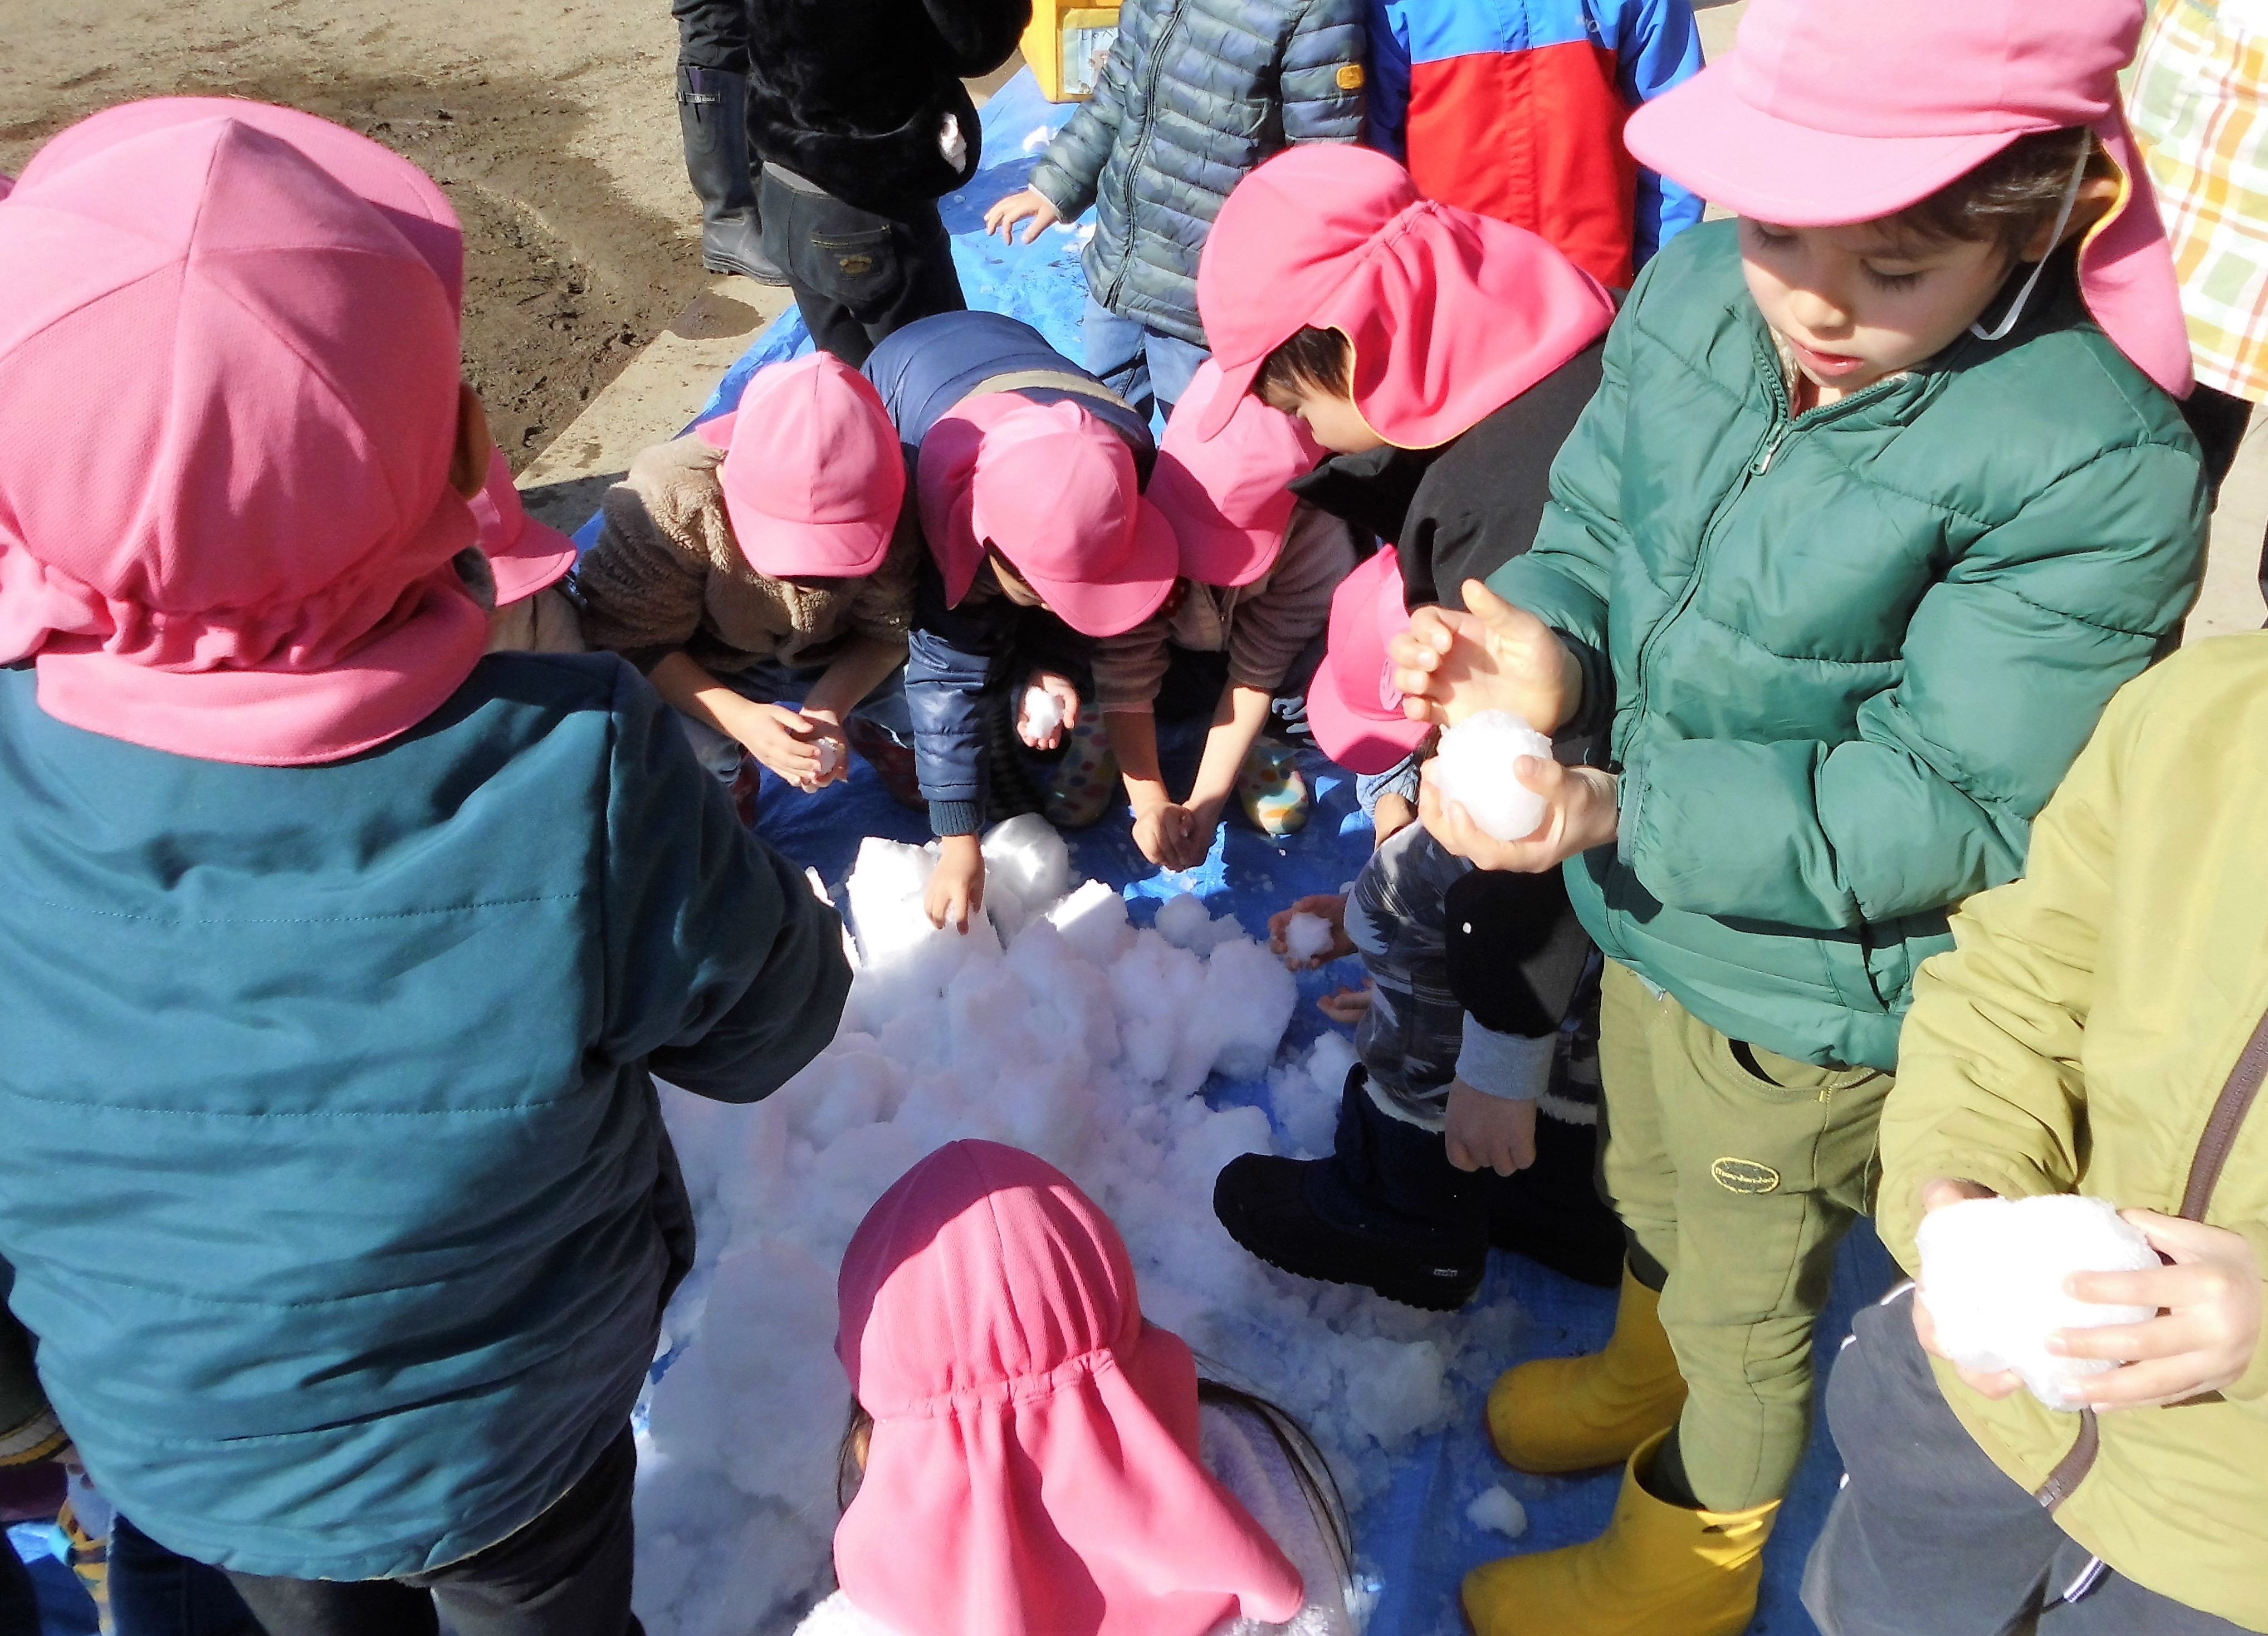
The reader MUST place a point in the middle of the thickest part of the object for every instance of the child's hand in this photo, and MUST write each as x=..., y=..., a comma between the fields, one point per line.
x=783, y=739
x=1165, y=830
x=834, y=747
x=2207, y=1329
x=1062, y=690
x=1327, y=906
x=1450, y=665
x=1935, y=1195
x=1004, y=215
x=956, y=886
x=1488, y=1132
x=1348, y=1005
x=1582, y=814
x=1392, y=814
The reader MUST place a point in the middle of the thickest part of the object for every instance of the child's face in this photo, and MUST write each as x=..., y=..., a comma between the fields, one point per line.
x=1333, y=421
x=1859, y=302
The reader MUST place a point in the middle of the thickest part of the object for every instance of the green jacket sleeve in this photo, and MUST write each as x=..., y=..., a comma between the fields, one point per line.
x=1989, y=1088
x=2008, y=661
x=1067, y=173
x=1321, y=79
x=725, y=972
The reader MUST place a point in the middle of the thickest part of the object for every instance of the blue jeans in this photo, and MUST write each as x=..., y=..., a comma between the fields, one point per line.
x=156, y=1592
x=1149, y=371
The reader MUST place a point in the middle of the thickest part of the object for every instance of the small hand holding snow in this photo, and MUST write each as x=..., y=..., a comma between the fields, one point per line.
x=956, y=886
x=1488, y=1132
x=1166, y=833
x=1935, y=1195
x=1005, y=213
x=1047, y=709
x=827, y=736
x=1451, y=664
x=1330, y=907
x=782, y=738
x=2208, y=1321
x=1579, y=813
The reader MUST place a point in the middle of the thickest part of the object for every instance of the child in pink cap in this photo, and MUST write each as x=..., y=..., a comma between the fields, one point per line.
x=527, y=562
x=761, y=571
x=335, y=1190
x=1033, y=1457
x=1884, y=492
x=1028, y=474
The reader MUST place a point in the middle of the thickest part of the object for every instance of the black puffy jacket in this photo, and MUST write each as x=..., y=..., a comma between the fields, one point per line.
x=1195, y=94
x=853, y=94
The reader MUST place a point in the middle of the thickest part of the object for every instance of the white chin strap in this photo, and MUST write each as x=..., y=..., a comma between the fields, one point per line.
x=2063, y=220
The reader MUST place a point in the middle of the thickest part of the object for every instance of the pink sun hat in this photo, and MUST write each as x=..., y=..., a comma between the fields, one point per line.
x=1226, y=495
x=226, y=525
x=1830, y=112
x=814, y=492
x=524, y=554
x=1451, y=314
x=1053, y=488
x=1353, y=707
x=1034, y=1469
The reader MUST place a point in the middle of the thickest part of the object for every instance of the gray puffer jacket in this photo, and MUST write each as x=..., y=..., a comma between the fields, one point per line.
x=1195, y=94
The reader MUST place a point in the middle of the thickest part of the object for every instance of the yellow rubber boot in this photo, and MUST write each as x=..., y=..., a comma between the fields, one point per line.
x=1568, y=1414
x=1659, y=1570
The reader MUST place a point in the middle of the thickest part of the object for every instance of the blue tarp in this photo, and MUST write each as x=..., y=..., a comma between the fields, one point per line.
x=1415, y=1539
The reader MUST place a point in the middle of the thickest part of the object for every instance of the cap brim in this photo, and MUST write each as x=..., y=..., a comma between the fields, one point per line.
x=782, y=549
x=1702, y=135
x=1362, y=738
x=1139, y=589
x=1235, y=381
x=541, y=556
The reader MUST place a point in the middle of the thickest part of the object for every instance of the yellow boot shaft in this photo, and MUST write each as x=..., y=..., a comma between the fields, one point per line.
x=1659, y=1570
x=1568, y=1414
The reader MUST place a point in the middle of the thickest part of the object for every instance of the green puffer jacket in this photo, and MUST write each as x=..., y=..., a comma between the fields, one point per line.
x=1851, y=653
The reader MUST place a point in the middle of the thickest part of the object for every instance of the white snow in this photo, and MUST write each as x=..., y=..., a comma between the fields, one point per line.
x=1057, y=1026
x=1184, y=923
x=1498, y=1509
x=1992, y=1272
x=1473, y=766
x=1306, y=937
x=1042, y=712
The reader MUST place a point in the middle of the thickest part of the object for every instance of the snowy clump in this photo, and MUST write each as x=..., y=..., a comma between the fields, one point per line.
x=1183, y=921
x=1474, y=767
x=1070, y=1033
x=1993, y=1273
x=1042, y=712
x=1501, y=1511
x=1307, y=937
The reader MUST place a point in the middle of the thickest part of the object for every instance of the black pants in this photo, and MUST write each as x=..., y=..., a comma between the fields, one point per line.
x=857, y=277
x=1930, y=1538
x=157, y=1592
x=19, y=1600
x=712, y=33
x=566, y=1573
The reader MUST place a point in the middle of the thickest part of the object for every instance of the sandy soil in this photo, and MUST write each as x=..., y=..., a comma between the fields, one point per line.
x=553, y=128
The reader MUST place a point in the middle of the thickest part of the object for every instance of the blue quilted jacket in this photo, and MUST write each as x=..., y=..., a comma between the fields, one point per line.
x=1196, y=93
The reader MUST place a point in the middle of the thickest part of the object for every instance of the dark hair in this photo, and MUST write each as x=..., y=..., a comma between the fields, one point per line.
x=1308, y=1467
x=2009, y=197
x=1319, y=360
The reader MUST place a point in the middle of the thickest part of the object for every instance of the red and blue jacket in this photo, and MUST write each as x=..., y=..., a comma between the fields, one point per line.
x=1514, y=108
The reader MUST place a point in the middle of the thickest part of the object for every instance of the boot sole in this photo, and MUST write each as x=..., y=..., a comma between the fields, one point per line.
x=769, y=280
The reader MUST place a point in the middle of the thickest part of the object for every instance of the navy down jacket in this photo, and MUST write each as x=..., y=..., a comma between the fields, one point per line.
x=1196, y=93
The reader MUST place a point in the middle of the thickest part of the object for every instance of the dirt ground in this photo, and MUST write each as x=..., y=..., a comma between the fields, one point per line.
x=552, y=127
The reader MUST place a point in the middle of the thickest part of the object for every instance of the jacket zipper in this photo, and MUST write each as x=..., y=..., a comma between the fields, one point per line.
x=1141, y=148
x=1784, y=427
x=2229, y=1111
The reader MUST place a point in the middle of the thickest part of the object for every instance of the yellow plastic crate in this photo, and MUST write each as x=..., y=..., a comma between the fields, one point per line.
x=1066, y=44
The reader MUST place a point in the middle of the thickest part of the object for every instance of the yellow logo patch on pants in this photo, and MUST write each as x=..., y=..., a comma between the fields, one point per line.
x=1745, y=1176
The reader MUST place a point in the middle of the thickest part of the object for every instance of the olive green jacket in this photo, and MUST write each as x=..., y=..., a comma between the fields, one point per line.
x=2098, y=1032
x=1849, y=653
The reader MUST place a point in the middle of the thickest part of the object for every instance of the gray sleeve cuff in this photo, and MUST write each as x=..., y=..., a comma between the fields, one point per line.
x=955, y=817
x=1515, y=1066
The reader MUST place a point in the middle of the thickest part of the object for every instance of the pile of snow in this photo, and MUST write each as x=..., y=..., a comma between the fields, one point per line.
x=1473, y=766
x=1992, y=1272
x=1057, y=1026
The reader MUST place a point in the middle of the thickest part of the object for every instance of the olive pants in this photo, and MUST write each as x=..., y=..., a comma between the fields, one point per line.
x=1736, y=1171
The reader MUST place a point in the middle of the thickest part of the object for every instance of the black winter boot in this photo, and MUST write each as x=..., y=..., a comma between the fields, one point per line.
x=712, y=112
x=1387, y=1210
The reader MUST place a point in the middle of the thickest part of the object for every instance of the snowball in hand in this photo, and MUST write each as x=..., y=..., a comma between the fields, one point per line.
x=1042, y=712
x=1307, y=937
x=1473, y=767
x=1992, y=1272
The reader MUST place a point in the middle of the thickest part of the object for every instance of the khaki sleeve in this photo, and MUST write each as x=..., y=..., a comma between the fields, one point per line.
x=644, y=579
x=1990, y=1086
